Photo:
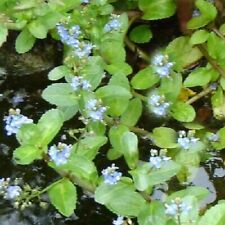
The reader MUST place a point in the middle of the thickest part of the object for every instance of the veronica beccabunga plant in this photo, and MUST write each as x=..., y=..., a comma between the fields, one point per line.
x=98, y=84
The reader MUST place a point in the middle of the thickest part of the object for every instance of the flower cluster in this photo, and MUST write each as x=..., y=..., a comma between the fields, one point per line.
x=70, y=37
x=196, y=13
x=186, y=140
x=10, y=192
x=59, y=154
x=177, y=207
x=78, y=82
x=15, y=120
x=111, y=176
x=157, y=104
x=161, y=64
x=95, y=110
x=156, y=160
x=113, y=25
x=119, y=221
x=213, y=137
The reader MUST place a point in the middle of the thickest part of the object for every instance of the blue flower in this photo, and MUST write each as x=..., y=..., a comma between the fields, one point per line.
x=95, y=111
x=79, y=83
x=161, y=64
x=12, y=192
x=157, y=104
x=84, y=1
x=14, y=121
x=186, y=140
x=111, y=176
x=213, y=137
x=119, y=221
x=60, y=154
x=177, y=207
x=113, y=25
x=196, y=13
x=156, y=160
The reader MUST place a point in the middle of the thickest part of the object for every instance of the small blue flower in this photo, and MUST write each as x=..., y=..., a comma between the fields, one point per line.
x=60, y=154
x=84, y=1
x=95, y=111
x=156, y=160
x=196, y=13
x=157, y=104
x=186, y=140
x=12, y=192
x=113, y=25
x=213, y=137
x=177, y=207
x=161, y=64
x=119, y=221
x=79, y=83
x=111, y=176
x=14, y=121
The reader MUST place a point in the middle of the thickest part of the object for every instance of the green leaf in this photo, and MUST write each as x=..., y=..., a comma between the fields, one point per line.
x=145, y=176
x=133, y=112
x=120, y=199
x=63, y=196
x=220, y=144
x=68, y=111
x=215, y=44
x=129, y=142
x=199, y=192
x=82, y=170
x=157, y=9
x=24, y=41
x=121, y=80
x=50, y=19
x=140, y=34
x=37, y=29
x=49, y=124
x=145, y=78
x=199, y=37
x=26, y=154
x=93, y=71
x=119, y=67
x=152, y=214
x=208, y=13
x=217, y=98
x=28, y=134
x=60, y=94
x=164, y=137
x=115, y=97
x=89, y=146
x=115, y=134
x=58, y=72
x=182, y=112
x=3, y=34
x=222, y=28
x=213, y=216
x=182, y=53
x=199, y=77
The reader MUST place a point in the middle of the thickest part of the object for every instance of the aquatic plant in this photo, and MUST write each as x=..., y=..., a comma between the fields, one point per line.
x=98, y=85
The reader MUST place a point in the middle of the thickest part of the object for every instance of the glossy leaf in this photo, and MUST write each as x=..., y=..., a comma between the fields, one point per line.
x=133, y=112
x=26, y=154
x=140, y=34
x=24, y=41
x=115, y=97
x=58, y=72
x=49, y=124
x=164, y=137
x=129, y=142
x=120, y=198
x=145, y=78
x=60, y=94
x=37, y=29
x=63, y=196
x=157, y=9
x=199, y=37
x=182, y=112
x=213, y=216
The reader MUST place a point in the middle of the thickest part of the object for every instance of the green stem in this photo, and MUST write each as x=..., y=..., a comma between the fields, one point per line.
x=142, y=97
x=199, y=95
x=134, y=48
x=219, y=33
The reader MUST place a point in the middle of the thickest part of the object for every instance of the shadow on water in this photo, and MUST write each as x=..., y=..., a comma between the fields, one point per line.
x=21, y=86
